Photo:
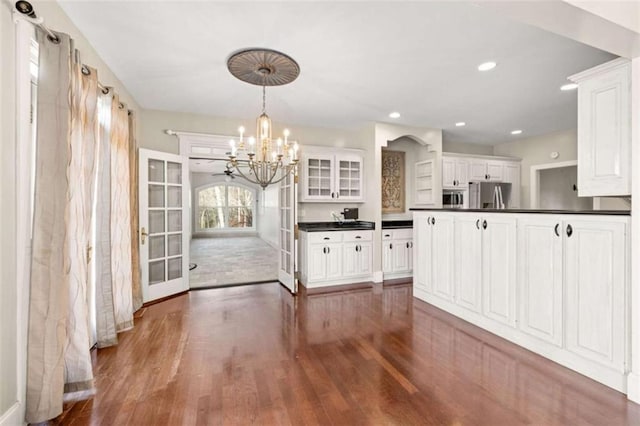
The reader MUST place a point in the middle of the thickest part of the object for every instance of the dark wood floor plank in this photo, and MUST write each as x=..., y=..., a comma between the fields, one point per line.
x=358, y=356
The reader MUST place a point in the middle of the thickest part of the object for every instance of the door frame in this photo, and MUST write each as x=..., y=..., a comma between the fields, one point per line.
x=534, y=179
x=216, y=147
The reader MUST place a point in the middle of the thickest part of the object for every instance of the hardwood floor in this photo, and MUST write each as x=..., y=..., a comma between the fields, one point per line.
x=376, y=356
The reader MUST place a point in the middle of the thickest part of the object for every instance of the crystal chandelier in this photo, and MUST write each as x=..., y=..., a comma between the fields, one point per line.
x=264, y=160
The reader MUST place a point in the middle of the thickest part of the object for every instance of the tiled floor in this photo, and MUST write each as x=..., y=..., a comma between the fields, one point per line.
x=234, y=260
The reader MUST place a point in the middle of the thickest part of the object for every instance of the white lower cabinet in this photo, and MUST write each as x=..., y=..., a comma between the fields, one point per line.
x=595, y=274
x=397, y=253
x=433, y=265
x=335, y=257
x=499, y=267
x=540, y=277
x=556, y=284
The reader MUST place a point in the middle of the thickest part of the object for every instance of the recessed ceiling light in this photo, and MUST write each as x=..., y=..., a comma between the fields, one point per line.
x=460, y=124
x=516, y=132
x=569, y=86
x=487, y=66
x=394, y=115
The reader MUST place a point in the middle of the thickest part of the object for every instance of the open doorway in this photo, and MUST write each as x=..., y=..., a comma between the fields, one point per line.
x=555, y=187
x=234, y=228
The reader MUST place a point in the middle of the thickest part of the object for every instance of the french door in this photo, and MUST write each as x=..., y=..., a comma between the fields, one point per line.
x=288, y=220
x=164, y=224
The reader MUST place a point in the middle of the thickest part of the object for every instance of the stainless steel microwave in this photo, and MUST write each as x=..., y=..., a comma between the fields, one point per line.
x=454, y=199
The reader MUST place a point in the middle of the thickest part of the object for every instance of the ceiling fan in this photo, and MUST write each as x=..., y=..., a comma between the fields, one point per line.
x=228, y=173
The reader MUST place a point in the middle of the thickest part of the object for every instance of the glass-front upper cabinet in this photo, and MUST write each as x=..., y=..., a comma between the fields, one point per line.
x=331, y=175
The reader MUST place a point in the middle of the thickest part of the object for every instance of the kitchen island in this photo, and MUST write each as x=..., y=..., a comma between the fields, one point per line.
x=554, y=282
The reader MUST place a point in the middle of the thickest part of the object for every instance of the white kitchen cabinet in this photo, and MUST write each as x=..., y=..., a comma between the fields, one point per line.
x=484, y=170
x=499, y=267
x=512, y=176
x=468, y=260
x=397, y=253
x=335, y=257
x=331, y=175
x=540, y=277
x=596, y=272
x=421, y=239
x=555, y=284
x=604, y=129
x=455, y=172
x=433, y=266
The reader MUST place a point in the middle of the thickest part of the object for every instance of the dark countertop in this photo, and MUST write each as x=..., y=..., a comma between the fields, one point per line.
x=397, y=224
x=359, y=225
x=537, y=211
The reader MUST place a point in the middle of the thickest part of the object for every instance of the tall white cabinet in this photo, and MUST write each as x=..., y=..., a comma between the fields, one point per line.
x=604, y=129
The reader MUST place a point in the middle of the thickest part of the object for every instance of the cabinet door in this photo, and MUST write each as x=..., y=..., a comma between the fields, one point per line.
x=595, y=273
x=365, y=259
x=462, y=173
x=448, y=172
x=540, y=277
x=441, y=262
x=422, y=252
x=512, y=176
x=350, y=259
x=387, y=256
x=334, y=260
x=316, y=262
x=401, y=255
x=604, y=134
x=410, y=255
x=495, y=171
x=318, y=174
x=477, y=170
x=468, y=261
x=499, y=268
x=349, y=178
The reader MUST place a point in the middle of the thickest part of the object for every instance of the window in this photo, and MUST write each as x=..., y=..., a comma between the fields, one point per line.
x=224, y=206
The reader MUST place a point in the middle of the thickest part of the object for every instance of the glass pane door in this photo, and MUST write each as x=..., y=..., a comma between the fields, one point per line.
x=163, y=224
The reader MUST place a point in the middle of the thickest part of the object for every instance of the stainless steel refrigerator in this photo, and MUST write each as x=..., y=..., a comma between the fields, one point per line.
x=489, y=195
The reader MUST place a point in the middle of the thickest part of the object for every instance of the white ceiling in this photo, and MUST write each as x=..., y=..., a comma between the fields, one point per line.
x=359, y=61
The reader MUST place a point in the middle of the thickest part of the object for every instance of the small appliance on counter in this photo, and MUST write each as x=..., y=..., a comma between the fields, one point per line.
x=455, y=199
x=350, y=214
x=489, y=195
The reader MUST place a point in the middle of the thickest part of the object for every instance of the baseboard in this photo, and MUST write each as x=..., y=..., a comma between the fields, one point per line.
x=378, y=276
x=13, y=416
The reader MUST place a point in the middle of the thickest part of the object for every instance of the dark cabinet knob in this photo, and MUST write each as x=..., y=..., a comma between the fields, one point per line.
x=569, y=230
x=484, y=224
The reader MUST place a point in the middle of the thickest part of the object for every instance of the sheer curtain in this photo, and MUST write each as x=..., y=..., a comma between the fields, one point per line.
x=58, y=358
x=83, y=139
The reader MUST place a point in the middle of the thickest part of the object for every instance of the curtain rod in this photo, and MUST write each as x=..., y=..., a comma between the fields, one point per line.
x=25, y=8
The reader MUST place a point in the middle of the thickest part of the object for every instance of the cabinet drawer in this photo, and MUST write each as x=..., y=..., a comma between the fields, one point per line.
x=402, y=234
x=325, y=237
x=350, y=236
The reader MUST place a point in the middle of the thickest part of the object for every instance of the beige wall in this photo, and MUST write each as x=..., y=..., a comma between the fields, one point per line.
x=467, y=148
x=537, y=150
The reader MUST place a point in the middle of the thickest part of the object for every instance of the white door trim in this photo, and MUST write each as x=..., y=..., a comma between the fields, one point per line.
x=534, y=179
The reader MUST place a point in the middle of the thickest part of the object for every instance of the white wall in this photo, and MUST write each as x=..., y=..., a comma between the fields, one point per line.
x=268, y=215
x=535, y=151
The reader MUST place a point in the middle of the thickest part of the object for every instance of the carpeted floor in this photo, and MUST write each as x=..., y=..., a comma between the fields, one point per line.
x=235, y=260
